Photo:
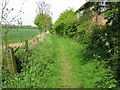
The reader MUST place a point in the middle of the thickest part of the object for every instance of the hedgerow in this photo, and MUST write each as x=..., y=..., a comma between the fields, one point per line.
x=83, y=32
x=103, y=41
x=66, y=25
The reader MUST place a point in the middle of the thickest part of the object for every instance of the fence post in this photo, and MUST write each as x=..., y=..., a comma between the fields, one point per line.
x=11, y=63
x=26, y=46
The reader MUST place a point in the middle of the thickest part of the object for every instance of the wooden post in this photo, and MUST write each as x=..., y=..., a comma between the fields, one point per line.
x=11, y=63
x=26, y=46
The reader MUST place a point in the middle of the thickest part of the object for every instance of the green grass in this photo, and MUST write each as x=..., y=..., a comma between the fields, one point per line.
x=46, y=63
x=39, y=69
x=21, y=35
x=86, y=70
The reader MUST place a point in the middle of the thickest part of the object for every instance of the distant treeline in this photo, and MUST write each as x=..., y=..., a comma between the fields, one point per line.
x=20, y=26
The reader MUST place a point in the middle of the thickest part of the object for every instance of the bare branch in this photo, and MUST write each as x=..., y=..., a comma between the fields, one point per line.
x=4, y=4
x=43, y=8
x=17, y=14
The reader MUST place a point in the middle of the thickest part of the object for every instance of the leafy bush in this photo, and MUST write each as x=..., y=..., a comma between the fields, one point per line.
x=91, y=71
x=83, y=32
x=105, y=42
x=66, y=25
x=84, y=27
x=85, y=17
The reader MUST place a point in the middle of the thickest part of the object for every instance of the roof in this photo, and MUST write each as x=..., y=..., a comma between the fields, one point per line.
x=82, y=7
x=86, y=5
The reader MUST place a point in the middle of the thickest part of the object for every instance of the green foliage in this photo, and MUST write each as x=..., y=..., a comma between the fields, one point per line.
x=105, y=42
x=40, y=69
x=113, y=12
x=24, y=27
x=66, y=25
x=85, y=17
x=5, y=32
x=84, y=28
x=92, y=71
x=93, y=76
x=83, y=32
x=95, y=61
x=43, y=21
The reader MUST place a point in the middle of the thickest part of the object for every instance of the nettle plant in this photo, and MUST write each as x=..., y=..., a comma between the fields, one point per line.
x=7, y=20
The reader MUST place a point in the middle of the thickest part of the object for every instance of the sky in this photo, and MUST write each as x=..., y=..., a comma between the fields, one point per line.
x=29, y=8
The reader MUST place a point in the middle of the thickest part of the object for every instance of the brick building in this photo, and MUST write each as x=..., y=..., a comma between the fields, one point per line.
x=97, y=15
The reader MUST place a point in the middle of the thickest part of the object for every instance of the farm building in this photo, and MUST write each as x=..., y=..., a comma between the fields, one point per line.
x=96, y=9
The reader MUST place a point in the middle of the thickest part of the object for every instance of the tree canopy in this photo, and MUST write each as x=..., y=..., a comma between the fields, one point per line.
x=43, y=19
x=66, y=23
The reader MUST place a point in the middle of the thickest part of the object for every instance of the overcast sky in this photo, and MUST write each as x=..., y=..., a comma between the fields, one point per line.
x=29, y=8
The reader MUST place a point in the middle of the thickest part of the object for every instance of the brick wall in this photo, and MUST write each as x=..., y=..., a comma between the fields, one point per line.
x=100, y=18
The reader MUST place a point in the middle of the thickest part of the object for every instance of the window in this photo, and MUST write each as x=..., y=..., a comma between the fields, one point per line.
x=81, y=12
x=78, y=15
x=103, y=6
x=91, y=9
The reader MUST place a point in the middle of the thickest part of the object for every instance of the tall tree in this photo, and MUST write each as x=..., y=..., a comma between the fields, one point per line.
x=43, y=21
x=43, y=18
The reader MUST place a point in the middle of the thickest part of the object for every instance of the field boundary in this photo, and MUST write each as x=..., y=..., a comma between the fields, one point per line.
x=11, y=49
x=34, y=41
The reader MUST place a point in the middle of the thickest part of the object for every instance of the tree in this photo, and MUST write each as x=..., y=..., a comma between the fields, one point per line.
x=66, y=25
x=43, y=19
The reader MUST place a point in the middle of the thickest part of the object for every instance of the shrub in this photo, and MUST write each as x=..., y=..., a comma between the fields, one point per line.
x=66, y=25
x=105, y=42
x=83, y=32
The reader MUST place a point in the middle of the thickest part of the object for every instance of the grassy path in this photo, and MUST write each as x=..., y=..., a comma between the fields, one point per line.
x=67, y=75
